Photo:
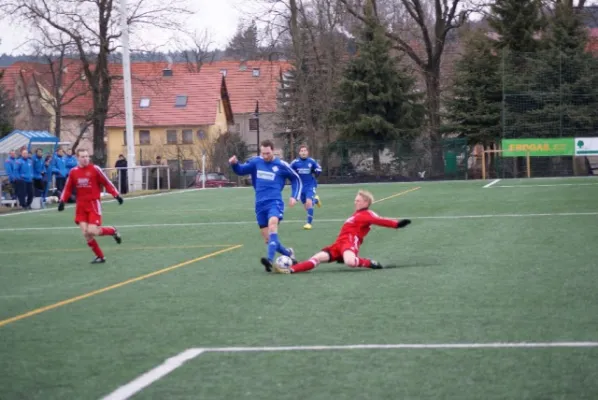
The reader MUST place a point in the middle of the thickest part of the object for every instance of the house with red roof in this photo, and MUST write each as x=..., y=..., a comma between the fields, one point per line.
x=177, y=114
x=174, y=108
x=34, y=87
x=21, y=82
x=253, y=86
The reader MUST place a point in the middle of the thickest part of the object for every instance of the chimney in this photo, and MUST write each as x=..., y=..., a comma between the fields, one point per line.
x=168, y=70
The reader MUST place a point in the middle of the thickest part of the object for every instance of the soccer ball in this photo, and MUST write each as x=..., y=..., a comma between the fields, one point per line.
x=284, y=262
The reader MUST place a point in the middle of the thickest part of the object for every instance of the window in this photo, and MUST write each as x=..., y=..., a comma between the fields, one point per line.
x=187, y=136
x=144, y=102
x=188, y=164
x=237, y=128
x=223, y=72
x=124, y=138
x=171, y=137
x=201, y=135
x=253, y=124
x=181, y=101
x=144, y=137
x=255, y=72
x=173, y=164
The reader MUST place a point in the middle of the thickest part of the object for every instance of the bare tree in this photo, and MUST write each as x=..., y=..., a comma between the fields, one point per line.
x=311, y=34
x=197, y=49
x=61, y=75
x=93, y=26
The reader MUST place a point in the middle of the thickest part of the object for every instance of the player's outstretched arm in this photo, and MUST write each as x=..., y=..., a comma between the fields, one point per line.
x=110, y=188
x=374, y=219
x=317, y=169
x=241, y=169
x=66, y=193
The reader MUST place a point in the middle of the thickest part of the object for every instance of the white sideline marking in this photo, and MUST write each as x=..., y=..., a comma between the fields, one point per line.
x=127, y=199
x=494, y=345
x=552, y=185
x=492, y=183
x=302, y=221
x=126, y=391
x=151, y=376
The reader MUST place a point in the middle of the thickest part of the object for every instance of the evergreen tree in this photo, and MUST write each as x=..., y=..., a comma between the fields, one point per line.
x=245, y=43
x=517, y=22
x=474, y=110
x=378, y=102
x=519, y=25
x=567, y=78
x=6, y=110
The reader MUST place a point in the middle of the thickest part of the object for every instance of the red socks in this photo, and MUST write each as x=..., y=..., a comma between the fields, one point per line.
x=305, y=265
x=95, y=247
x=310, y=264
x=107, y=231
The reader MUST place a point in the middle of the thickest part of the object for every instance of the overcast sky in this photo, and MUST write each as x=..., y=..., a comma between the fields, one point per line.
x=220, y=17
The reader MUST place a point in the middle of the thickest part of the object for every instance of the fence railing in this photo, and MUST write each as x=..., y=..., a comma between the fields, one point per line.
x=129, y=180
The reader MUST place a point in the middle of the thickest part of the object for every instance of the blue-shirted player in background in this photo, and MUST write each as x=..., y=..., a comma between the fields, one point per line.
x=308, y=169
x=268, y=177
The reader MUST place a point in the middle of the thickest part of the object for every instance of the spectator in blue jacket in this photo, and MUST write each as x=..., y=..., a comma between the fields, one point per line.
x=38, y=171
x=24, y=173
x=59, y=169
x=70, y=161
x=9, y=167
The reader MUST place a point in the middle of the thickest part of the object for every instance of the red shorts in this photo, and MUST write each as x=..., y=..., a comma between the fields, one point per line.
x=89, y=212
x=337, y=249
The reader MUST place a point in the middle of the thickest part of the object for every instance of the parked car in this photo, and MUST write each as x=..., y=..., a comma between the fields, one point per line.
x=213, y=179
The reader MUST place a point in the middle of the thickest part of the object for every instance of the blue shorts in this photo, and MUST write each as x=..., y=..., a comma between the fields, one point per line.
x=266, y=210
x=308, y=193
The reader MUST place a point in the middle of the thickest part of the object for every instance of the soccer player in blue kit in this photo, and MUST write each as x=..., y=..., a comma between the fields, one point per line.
x=308, y=169
x=268, y=177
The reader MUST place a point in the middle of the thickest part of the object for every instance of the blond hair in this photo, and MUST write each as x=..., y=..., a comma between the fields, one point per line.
x=366, y=196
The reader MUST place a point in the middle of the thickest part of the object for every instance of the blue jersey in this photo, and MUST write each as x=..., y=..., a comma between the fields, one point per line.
x=268, y=178
x=308, y=169
x=9, y=166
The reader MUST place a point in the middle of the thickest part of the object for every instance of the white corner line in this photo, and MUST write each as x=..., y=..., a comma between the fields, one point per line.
x=135, y=386
x=151, y=376
x=492, y=183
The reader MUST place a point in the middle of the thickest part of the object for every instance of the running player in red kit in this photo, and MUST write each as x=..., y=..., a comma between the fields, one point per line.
x=87, y=179
x=345, y=249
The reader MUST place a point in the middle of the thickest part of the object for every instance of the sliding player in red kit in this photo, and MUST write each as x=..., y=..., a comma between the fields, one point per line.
x=88, y=180
x=345, y=249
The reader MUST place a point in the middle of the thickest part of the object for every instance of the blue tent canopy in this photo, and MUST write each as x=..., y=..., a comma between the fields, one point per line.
x=18, y=138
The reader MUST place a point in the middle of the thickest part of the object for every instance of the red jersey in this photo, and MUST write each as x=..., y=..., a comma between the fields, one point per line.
x=88, y=181
x=358, y=225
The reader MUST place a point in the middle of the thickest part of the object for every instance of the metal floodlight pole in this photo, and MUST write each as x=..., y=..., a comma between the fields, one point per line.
x=131, y=159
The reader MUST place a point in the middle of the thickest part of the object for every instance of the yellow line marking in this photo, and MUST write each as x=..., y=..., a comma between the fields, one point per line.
x=200, y=246
x=115, y=286
x=398, y=194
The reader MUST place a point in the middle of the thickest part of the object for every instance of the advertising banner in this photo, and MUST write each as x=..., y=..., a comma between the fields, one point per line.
x=586, y=146
x=538, y=147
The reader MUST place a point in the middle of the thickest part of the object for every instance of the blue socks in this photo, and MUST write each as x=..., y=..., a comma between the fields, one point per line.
x=310, y=215
x=275, y=246
x=283, y=250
